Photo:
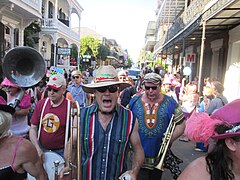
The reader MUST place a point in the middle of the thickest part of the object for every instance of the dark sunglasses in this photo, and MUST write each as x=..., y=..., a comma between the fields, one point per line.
x=75, y=77
x=8, y=86
x=50, y=89
x=151, y=87
x=112, y=89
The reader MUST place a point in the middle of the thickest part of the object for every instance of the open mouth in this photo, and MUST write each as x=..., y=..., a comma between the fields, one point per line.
x=107, y=101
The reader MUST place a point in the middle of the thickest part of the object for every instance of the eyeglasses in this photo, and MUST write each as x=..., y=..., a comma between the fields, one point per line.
x=151, y=87
x=50, y=89
x=75, y=77
x=112, y=89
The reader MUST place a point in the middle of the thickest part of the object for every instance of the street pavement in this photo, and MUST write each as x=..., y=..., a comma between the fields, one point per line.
x=186, y=152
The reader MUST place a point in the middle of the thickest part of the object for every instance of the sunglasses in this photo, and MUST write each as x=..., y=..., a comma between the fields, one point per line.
x=75, y=77
x=50, y=89
x=112, y=89
x=151, y=87
x=8, y=86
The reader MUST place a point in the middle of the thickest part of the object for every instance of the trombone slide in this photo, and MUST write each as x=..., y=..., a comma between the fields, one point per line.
x=165, y=143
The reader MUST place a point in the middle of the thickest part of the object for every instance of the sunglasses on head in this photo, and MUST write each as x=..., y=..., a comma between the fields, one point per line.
x=150, y=87
x=50, y=89
x=75, y=77
x=111, y=89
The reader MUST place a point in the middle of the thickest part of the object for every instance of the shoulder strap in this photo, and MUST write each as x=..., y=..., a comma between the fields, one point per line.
x=15, y=150
x=221, y=100
x=67, y=120
x=40, y=123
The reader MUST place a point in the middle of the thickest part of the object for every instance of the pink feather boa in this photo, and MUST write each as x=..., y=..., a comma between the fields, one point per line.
x=200, y=127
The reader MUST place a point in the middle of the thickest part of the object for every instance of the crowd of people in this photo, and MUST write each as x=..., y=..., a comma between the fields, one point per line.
x=122, y=125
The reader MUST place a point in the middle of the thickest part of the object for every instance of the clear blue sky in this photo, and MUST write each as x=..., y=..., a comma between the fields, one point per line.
x=123, y=20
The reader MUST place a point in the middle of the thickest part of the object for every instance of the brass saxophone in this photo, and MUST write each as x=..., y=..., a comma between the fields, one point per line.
x=165, y=143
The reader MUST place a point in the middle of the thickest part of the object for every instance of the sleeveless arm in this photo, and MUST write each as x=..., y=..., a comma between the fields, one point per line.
x=30, y=161
x=138, y=153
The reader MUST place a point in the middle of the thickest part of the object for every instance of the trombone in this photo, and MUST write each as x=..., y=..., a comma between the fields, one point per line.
x=165, y=143
x=75, y=131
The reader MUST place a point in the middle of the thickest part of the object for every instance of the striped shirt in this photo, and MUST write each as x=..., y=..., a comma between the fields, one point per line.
x=104, y=151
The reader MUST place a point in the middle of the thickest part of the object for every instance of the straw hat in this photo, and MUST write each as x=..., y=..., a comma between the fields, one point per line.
x=105, y=76
x=76, y=72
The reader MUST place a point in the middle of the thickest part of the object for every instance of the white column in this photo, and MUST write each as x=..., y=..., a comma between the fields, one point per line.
x=45, y=15
x=55, y=12
x=215, y=45
x=21, y=36
x=55, y=50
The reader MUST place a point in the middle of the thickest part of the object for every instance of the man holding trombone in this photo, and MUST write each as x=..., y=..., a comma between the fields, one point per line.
x=106, y=131
x=161, y=121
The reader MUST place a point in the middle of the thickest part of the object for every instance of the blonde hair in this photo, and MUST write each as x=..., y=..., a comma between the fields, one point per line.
x=5, y=123
x=207, y=90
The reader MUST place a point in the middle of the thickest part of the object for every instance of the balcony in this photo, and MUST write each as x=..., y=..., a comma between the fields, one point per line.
x=64, y=21
x=26, y=9
x=50, y=24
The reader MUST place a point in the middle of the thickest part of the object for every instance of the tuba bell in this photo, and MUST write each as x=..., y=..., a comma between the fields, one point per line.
x=24, y=66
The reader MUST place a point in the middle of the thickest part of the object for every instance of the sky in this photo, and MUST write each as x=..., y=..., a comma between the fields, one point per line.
x=123, y=20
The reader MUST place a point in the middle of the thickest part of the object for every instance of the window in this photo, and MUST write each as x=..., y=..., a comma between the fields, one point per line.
x=50, y=10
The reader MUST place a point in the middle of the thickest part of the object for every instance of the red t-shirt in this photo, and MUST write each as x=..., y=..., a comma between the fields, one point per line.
x=52, y=135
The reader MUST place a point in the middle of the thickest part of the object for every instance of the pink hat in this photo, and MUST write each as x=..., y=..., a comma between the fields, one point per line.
x=167, y=81
x=6, y=82
x=201, y=126
x=56, y=81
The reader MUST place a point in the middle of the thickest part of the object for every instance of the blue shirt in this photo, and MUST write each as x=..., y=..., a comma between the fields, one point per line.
x=78, y=94
x=104, y=152
x=153, y=123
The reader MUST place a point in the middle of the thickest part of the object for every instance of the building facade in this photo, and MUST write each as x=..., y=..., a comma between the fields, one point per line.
x=57, y=39
x=202, y=35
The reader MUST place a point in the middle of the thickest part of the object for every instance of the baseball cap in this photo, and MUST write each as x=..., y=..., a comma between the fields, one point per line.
x=56, y=81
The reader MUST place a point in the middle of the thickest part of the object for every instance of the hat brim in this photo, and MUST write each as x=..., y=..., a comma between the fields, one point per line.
x=54, y=87
x=7, y=108
x=90, y=88
x=224, y=136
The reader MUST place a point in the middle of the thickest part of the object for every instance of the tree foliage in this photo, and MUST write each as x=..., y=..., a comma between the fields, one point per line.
x=129, y=62
x=31, y=37
x=89, y=45
x=74, y=51
x=94, y=47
